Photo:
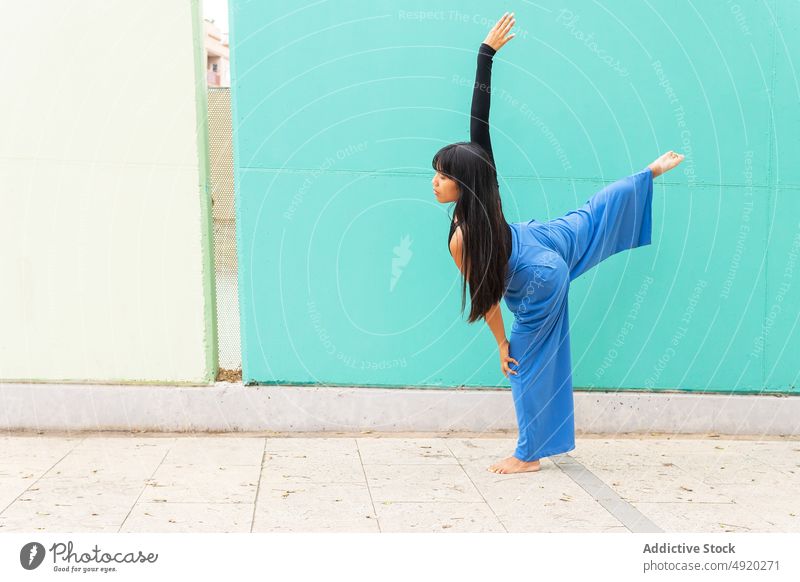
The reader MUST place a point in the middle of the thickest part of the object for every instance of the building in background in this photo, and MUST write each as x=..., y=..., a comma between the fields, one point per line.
x=217, y=56
x=133, y=166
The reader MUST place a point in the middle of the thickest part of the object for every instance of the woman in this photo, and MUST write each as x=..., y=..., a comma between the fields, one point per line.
x=531, y=264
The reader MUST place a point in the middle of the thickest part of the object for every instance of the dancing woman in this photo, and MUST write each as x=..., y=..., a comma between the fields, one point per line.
x=531, y=264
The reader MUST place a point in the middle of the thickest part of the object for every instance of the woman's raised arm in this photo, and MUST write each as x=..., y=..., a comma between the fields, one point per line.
x=481, y=92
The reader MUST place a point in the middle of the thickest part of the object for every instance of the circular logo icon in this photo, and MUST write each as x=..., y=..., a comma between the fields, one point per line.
x=31, y=555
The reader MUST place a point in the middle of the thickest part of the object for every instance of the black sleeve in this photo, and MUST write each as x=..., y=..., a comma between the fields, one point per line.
x=479, y=121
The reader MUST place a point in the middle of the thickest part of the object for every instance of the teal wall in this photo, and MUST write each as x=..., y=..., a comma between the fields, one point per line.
x=345, y=276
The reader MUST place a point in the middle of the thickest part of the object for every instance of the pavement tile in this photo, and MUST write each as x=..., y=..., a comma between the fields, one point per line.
x=547, y=500
x=402, y=451
x=783, y=456
x=665, y=483
x=313, y=466
x=777, y=506
x=703, y=517
x=228, y=451
x=71, y=505
x=420, y=483
x=202, y=483
x=189, y=517
x=31, y=456
x=126, y=441
x=305, y=444
x=437, y=517
x=13, y=487
x=730, y=468
x=123, y=459
x=488, y=450
x=619, y=452
x=314, y=507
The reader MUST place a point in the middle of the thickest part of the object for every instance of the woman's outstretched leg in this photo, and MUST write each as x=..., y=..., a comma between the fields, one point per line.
x=616, y=218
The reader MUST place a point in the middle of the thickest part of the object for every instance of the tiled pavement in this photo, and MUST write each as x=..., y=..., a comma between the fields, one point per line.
x=393, y=483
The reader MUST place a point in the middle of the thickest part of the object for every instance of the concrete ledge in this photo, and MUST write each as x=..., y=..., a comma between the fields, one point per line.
x=232, y=407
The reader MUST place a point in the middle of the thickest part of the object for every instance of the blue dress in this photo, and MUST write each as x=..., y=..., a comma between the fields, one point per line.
x=545, y=257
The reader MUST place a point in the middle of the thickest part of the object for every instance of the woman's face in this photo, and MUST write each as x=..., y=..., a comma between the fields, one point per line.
x=445, y=188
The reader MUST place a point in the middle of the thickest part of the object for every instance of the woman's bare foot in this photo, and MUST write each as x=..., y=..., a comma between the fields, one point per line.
x=514, y=465
x=665, y=163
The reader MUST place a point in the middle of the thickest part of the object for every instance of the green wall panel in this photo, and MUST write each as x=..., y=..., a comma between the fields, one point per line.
x=345, y=276
x=778, y=336
x=786, y=95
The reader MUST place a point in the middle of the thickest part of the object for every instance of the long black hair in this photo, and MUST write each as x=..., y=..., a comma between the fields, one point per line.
x=479, y=212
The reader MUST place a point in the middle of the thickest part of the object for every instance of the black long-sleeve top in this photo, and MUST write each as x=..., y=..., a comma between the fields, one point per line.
x=481, y=97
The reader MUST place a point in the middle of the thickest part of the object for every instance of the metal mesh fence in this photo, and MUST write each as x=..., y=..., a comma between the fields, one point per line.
x=220, y=145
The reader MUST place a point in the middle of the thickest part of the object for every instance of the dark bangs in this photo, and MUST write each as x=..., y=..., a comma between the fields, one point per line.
x=446, y=160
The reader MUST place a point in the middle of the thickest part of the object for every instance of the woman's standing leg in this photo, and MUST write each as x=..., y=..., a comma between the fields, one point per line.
x=525, y=406
x=542, y=391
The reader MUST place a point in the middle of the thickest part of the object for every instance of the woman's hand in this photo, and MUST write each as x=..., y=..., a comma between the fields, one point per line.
x=505, y=359
x=499, y=36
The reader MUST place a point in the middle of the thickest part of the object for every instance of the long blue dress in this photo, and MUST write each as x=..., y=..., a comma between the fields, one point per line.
x=545, y=257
